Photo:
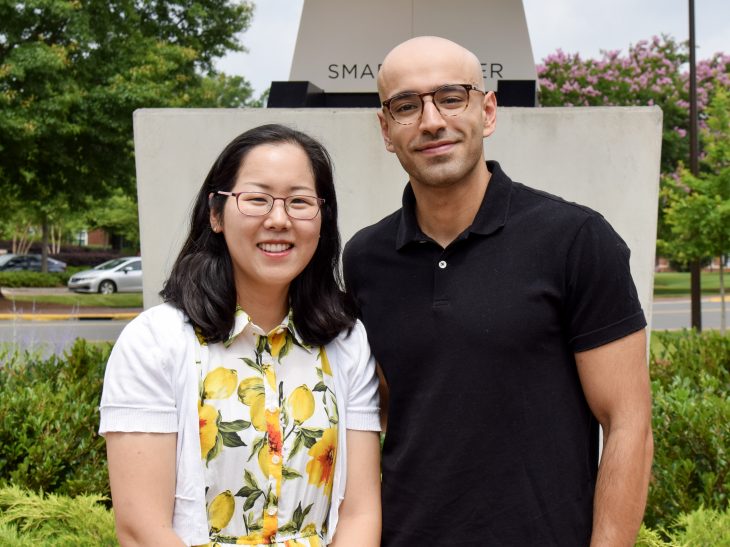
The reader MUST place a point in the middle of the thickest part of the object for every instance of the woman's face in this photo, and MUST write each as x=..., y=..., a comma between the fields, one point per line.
x=269, y=251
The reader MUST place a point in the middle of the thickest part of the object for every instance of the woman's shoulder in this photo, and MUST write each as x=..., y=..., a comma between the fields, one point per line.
x=160, y=323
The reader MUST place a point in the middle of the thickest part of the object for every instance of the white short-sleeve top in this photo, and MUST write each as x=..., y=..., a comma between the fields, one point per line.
x=152, y=384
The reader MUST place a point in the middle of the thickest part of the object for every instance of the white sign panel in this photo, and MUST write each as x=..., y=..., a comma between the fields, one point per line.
x=341, y=43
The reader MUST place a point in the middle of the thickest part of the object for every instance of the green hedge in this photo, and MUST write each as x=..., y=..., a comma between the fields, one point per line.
x=691, y=424
x=49, y=418
x=34, y=279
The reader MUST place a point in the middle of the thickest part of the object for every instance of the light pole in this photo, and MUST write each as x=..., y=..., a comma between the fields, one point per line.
x=693, y=164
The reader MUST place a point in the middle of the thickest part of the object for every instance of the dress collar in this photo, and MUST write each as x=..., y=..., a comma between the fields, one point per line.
x=242, y=322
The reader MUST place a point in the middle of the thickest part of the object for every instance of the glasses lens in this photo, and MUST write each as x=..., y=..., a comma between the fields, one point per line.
x=254, y=203
x=451, y=99
x=302, y=207
x=406, y=108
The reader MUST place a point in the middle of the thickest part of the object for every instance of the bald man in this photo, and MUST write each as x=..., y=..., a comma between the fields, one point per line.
x=507, y=327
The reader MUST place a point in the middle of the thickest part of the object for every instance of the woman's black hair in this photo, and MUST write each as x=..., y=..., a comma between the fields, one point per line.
x=201, y=283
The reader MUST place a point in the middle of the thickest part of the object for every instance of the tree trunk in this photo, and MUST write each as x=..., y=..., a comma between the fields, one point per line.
x=44, y=245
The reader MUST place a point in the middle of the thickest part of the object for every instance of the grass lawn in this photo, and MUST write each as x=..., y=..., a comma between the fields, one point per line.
x=677, y=283
x=118, y=300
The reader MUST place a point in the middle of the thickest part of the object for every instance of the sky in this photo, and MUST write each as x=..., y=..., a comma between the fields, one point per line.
x=582, y=26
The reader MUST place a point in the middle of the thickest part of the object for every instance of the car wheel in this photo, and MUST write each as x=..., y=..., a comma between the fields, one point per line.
x=107, y=287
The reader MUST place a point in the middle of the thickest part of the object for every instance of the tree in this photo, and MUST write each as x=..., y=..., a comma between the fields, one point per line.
x=698, y=208
x=72, y=72
x=116, y=214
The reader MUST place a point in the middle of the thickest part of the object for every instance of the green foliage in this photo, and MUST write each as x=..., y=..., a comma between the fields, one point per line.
x=691, y=424
x=698, y=207
x=33, y=279
x=700, y=528
x=29, y=519
x=49, y=416
x=72, y=73
x=116, y=214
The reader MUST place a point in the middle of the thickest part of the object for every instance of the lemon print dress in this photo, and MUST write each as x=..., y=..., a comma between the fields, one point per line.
x=268, y=437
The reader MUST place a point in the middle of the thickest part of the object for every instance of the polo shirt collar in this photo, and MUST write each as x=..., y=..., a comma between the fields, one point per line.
x=490, y=217
x=242, y=321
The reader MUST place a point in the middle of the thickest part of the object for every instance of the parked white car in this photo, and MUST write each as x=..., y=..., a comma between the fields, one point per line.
x=117, y=275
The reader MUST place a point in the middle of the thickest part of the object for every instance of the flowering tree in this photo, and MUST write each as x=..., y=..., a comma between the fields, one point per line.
x=652, y=73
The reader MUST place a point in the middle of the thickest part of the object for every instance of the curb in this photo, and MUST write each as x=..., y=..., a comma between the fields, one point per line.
x=67, y=316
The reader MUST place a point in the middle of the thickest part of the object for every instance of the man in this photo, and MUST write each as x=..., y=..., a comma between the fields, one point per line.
x=507, y=327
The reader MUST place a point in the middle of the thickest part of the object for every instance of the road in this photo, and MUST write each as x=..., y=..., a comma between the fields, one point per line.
x=55, y=336
x=674, y=313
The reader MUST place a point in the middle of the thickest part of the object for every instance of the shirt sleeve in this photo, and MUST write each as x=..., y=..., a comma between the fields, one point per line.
x=363, y=401
x=139, y=390
x=602, y=304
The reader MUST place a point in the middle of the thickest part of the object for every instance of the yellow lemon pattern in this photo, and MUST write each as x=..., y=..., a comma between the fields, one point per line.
x=219, y=383
x=301, y=404
x=220, y=510
x=268, y=437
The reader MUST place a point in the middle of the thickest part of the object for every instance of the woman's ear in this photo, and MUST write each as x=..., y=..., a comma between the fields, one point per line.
x=215, y=223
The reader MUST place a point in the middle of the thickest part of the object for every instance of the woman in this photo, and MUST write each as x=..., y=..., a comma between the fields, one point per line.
x=244, y=408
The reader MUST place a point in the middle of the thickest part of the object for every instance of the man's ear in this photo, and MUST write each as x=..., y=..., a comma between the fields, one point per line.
x=489, y=111
x=385, y=131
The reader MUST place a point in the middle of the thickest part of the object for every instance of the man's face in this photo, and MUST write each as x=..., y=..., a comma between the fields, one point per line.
x=436, y=150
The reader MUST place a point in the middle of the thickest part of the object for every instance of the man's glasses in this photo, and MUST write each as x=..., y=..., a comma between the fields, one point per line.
x=257, y=204
x=449, y=100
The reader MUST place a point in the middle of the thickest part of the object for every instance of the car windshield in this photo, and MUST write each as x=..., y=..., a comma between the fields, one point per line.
x=111, y=264
x=6, y=258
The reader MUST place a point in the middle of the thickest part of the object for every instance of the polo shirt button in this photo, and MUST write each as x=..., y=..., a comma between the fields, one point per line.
x=271, y=511
x=442, y=264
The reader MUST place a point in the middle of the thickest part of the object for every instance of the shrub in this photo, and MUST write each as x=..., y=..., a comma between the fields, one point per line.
x=691, y=424
x=700, y=528
x=687, y=354
x=49, y=417
x=29, y=519
x=33, y=279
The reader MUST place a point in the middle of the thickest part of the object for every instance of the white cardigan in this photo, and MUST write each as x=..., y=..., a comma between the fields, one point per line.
x=151, y=385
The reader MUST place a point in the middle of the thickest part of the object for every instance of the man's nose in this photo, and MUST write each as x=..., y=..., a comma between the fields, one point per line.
x=431, y=119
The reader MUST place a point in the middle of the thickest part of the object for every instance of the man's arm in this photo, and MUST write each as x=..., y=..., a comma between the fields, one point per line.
x=615, y=380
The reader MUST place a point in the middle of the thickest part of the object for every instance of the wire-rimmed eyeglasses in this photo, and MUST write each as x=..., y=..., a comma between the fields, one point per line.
x=449, y=100
x=258, y=204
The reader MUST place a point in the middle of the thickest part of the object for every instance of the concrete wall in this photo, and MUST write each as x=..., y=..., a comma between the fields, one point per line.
x=606, y=158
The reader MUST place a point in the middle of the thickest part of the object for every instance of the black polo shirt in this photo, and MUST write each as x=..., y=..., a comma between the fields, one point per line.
x=490, y=440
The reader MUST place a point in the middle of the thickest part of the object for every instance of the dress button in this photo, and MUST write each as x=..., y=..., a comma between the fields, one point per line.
x=271, y=511
x=276, y=459
x=442, y=264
